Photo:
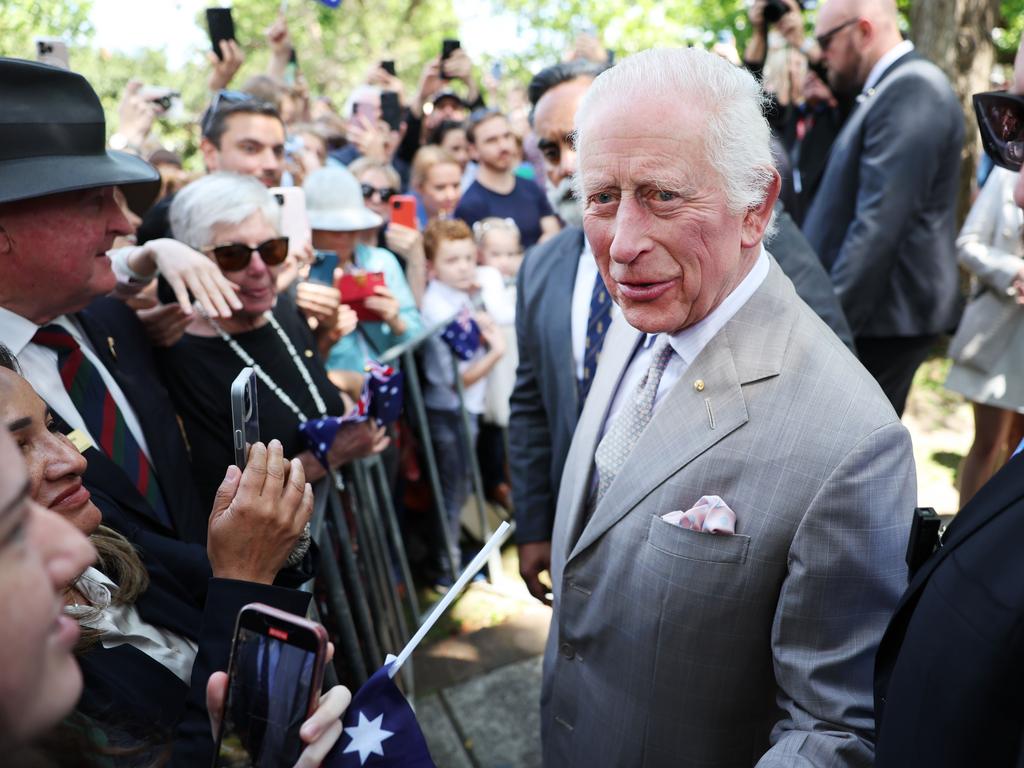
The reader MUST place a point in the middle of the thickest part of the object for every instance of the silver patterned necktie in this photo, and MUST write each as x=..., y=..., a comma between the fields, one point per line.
x=629, y=424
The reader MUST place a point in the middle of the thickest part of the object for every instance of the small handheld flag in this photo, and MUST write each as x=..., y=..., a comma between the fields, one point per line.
x=463, y=335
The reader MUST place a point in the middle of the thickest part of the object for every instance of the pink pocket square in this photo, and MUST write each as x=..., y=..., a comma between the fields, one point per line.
x=709, y=515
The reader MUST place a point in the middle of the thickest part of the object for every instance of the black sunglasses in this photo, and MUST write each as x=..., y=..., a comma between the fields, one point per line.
x=385, y=194
x=1001, y=122
x=825, y=39
x=231, y=257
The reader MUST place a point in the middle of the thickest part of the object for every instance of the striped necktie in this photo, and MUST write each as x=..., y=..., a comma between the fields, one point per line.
x=599, y=319
x=102, y=417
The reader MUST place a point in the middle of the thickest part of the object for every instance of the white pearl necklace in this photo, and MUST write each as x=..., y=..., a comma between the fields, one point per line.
x=264, y=376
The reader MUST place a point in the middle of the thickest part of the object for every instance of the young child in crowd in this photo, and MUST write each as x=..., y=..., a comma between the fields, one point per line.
x=455, y=281
x=499, y=246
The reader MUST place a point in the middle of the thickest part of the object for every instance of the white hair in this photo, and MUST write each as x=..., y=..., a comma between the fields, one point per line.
x=736, y=134
x=219, y=199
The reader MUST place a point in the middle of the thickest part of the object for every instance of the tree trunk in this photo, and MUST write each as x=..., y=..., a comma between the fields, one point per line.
x=957, y=36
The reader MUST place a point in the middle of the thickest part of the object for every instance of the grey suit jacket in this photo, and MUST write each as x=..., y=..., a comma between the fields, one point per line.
x=884, y=219
x=544, y=400
x=671, y=647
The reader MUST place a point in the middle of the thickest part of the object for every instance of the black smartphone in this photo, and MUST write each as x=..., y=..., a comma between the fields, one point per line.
x=274, y=681
x=391, y=109
x=388, y=66
x=245, y=415
x=323, y=266
x=221, y=26
x=448, y=47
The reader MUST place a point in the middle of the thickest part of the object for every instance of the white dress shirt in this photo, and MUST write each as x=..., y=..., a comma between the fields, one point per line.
x=687, y=343
x=39, y=366
x=582, y=291
x=898, y=51
x=122, y=624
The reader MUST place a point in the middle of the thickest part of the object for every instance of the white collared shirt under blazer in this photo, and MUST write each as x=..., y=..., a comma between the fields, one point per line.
x=673, y=647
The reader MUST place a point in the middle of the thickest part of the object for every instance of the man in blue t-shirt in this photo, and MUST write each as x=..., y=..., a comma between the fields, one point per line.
x=497, y=191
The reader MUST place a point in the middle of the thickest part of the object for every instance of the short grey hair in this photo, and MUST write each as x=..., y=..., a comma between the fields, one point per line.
x=219, y=199
x=736, y=134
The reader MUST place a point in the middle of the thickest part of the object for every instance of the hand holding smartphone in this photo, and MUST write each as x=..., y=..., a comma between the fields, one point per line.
x=274, y=681
x=403, y=210
x=221, y=26
x=448, y=47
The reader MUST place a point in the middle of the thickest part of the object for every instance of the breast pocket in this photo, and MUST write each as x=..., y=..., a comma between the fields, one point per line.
x=694, y=545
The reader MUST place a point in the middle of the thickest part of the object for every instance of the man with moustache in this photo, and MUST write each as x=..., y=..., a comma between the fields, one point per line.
x=549, y=394
x=883, y=221
x=732, y=518
x=497, y=191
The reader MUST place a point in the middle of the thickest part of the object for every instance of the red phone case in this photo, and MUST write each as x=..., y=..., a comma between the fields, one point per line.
x=356, y=287
x=403, y=210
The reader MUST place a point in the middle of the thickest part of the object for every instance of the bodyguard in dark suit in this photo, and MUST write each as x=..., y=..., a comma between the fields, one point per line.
x=884, y=218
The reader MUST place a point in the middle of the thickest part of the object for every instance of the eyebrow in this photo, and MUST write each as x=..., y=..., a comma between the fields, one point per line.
x=24, y=421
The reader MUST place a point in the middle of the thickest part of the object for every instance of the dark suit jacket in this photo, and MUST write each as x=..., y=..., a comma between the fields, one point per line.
x=949, y=676
x=884, y=219
x=122, y=345
x=544, y=400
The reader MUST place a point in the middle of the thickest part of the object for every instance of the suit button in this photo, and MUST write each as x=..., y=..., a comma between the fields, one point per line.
x=567, y=650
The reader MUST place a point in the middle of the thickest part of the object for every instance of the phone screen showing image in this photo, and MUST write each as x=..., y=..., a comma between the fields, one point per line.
x=269, y=692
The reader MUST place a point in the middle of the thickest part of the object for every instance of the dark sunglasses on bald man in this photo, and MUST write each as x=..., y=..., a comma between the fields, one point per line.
x=1001, y=122
x=231, y=257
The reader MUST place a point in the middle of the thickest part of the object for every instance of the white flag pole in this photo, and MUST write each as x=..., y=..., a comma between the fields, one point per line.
x=471, y=570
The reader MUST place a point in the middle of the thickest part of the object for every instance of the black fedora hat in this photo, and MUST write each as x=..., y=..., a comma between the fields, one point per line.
x=53, y=138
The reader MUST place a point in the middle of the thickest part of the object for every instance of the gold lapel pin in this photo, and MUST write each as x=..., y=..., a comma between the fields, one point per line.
x=110, y=346
x=699, y=385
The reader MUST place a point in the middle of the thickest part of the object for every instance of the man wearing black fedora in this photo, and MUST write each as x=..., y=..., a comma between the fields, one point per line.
x=87, y=355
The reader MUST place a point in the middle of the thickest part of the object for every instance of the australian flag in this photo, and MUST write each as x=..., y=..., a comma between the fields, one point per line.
x=463, y=335
x=320, y=433
x=380, y=730
x=386, y=387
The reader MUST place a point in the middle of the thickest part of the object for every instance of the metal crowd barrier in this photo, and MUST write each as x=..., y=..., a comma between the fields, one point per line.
x=364, y=593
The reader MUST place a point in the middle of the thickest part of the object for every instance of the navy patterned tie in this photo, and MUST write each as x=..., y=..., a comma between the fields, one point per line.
x=597, y=327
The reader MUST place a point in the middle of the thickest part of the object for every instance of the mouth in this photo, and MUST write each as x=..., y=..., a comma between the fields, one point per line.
x=644, y=291
x=65, y=631
x=256, y=293
x=71, y=497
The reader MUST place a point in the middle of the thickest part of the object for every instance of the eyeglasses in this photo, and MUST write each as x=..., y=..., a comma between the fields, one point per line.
x=1001, y=122
x=385, y=194
x=825, y=39
x=231, y=257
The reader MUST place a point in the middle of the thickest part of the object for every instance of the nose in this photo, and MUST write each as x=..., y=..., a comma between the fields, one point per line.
x=64, y=459
x=631, y=239
x=65, y=550
x=271, y=160
x=567, y=162
x=256, y=264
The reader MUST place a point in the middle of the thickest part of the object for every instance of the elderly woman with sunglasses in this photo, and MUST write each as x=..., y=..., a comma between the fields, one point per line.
x=234, y=220
x=343, y=224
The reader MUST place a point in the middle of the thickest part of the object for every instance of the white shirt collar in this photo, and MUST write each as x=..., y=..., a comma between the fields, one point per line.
x=689, y=342
x=16, y=332
x=898, y=51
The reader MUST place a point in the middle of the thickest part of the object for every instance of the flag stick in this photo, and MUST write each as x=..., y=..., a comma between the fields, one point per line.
x=460, y=584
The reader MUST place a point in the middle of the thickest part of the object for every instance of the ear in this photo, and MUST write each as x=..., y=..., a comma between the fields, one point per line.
x=6, y=245
x=755, y=220
x=473, y=154
x=211, y=155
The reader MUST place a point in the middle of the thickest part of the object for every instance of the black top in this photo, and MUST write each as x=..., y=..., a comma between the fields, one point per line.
x=157, y=222
x=198, y=372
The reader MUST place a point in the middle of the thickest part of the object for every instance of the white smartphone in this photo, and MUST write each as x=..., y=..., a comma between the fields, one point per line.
x=245, y=415
x=294, y=222
x=54, y=51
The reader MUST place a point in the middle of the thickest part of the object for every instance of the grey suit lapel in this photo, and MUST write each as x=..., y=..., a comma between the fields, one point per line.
x=689, y=421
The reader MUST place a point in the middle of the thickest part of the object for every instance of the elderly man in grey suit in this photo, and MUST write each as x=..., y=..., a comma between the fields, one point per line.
x=744, y=635
x=884, y=219
x=563, y=313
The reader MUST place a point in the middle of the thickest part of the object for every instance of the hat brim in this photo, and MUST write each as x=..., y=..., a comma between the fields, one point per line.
x=349, y=220
x=28, y=177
